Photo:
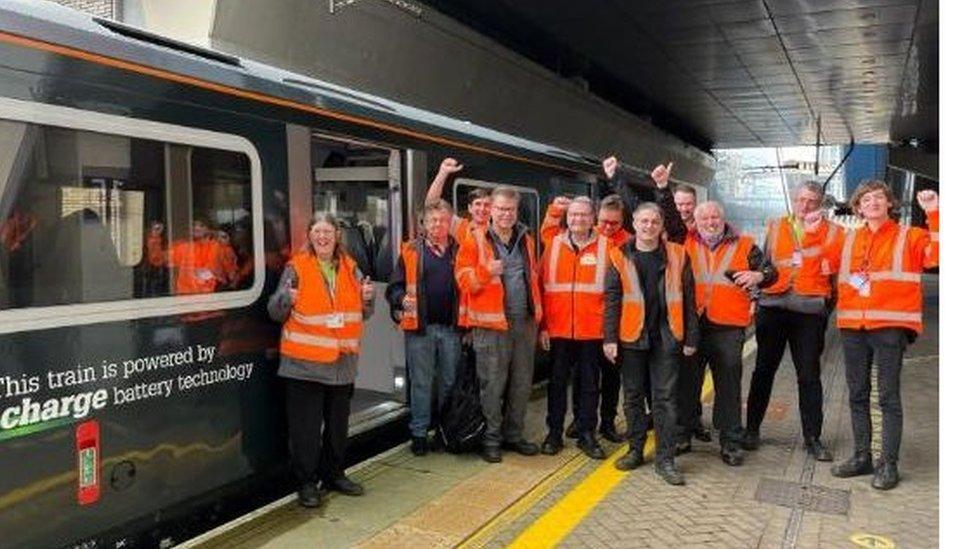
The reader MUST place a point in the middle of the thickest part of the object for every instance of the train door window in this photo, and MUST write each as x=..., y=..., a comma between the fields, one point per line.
x=529, y=212
x=91, y=222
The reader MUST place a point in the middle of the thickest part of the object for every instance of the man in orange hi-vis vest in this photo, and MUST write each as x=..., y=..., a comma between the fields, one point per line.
x=794, y=310
x=497, y=270
x=879, y=312
x=649, y=322
x=573, y=270
x=728, y=268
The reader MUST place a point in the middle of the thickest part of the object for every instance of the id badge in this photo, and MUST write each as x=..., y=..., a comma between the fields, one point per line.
x=861, y=283
x=334, y=320
x=797, y=259
x=588, y=259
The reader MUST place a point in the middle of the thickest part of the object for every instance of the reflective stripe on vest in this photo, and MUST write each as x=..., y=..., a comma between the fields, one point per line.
x=897, y=272
x=806, y=279
x=632, y=311
x=596, y=287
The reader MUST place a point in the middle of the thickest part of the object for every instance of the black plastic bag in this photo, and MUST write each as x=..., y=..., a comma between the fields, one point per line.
x=462, y=423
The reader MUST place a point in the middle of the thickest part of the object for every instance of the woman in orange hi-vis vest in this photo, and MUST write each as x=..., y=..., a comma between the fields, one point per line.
x=322, y=299
x=879, y=312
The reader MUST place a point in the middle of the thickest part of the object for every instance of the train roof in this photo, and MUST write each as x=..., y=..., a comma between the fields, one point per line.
x=56, y=24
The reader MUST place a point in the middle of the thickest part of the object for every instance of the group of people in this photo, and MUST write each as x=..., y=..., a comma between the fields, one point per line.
x=648, y=310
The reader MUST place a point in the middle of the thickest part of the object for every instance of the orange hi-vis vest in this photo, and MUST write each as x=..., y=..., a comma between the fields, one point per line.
x=811, y=277
x=484, y=303
x=891, y=260
x=720, y=299
x=198, y=266
x=409, y=320
x=323, y=324
x=573, y=284
x=551, y=227
x=620, y=237
x=632, y=312
x=462, y=230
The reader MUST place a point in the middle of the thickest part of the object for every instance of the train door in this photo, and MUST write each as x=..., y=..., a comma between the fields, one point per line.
x=358, y=183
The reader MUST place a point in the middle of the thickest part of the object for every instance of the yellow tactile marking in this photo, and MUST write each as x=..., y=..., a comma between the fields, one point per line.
x=563, y=517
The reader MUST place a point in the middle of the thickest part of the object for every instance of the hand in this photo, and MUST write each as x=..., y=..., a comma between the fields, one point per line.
x=495, y=267
x=747, y=279
x=409, y=303
x=661, y=175
x=610, y=166
x=610, y=351
x=367, y=286
x=688, y=351
x=928, y=200
x=544, y=340
x=450, y=166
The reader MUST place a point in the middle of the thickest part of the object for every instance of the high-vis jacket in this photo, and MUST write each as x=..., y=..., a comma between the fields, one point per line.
x=199, y=266
x=323, y=324
x=552, y=226
x=879, y=274
x=800, y=263
x=483, y=305
x=716, y=295
x=462, y=229
x=628, y=317
x=407, y=279
x=573, y=282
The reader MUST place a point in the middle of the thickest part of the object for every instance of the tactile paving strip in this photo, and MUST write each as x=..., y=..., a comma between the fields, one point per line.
x=808, y=497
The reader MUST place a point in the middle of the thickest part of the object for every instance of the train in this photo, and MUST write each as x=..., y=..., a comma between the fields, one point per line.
x=138, y=411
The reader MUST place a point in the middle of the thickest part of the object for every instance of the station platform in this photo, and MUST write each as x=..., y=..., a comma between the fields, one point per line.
x=779, y=497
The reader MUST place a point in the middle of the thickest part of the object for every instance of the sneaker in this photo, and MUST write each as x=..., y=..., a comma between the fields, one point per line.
x=816, y=449
x=858, y=464
x=418, y=446
x=885, y=476
x=552, y=445
x=633, y=459
x=750, y=441
x=732, y=455
x=667, y=471
x=523, y=447
x=309, y=497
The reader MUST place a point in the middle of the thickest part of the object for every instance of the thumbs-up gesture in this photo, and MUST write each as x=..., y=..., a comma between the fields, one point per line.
x=661, y=175
x=495, y=267
x=450, y=166
x=610, y=166
x=928, y=200
x=367, y=289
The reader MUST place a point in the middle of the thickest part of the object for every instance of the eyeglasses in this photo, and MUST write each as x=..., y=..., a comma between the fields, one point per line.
x=608, y=223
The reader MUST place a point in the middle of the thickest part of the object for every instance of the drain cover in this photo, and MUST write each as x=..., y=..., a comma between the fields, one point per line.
x=808, y=497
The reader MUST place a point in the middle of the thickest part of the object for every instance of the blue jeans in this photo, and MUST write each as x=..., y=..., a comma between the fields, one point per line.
x=437, y=352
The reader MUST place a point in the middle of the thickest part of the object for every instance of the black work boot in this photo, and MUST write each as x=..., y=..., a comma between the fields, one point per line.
x=633, y=459
x=345, y=485
x=669, y=472
x=750, y=441
x=609, y=432
x=418, y=446
x=703, y=434
x=682, y=446
x=816, y=449
x=522, y=446
x=491, y=454
x=858, y=464
x=732, y=454
x=553, y=444
x=309, y=497
x=588, y=443
x=885, y=475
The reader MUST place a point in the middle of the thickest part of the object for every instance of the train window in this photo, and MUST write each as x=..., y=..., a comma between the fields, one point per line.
x=89, y=218
x=529, y=212
x=352, y=182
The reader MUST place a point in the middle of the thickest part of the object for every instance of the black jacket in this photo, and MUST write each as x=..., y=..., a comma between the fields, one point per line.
x=613, y=305
x=397, y=288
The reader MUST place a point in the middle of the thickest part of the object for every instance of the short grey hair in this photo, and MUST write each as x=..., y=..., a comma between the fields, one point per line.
x=811, y=186
x=505, y=191
x=708, y=204
x=585, y=200
x=645, y=206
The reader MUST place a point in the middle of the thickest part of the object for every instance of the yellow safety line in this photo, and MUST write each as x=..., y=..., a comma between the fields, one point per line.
x=565, y=515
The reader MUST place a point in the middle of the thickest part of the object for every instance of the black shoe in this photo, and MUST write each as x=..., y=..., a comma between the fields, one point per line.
x=885, y=476
x=682, y=447
x=858, y=464
x=308, y=496
x=523, y=447
x=750, y=441
x=587, y=442
x=609, y=432
x=633, y=459
x=572, y=431
x=491, y=454
x=703, y=434
x=345, y=485
x=552, y=445
x=418, y=445
x=732, y=455
x=816, y=449
x=669, y=473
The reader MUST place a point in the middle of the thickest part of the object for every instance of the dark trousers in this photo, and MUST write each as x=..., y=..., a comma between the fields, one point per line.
x=658, y=368
x=721, y=350
x=886, y=347
x=317, y=452
x=581, y=361
x=775, y=328
x=691, y=376
x=609, y=393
